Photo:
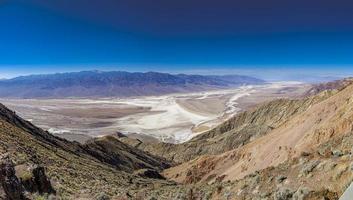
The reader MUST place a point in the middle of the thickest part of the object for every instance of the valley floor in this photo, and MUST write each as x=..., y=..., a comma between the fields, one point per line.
x=171, y=118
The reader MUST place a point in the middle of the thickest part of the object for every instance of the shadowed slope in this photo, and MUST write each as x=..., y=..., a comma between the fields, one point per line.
x=69, y=164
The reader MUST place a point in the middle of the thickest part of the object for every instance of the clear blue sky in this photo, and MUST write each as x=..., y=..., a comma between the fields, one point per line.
x=201, y=36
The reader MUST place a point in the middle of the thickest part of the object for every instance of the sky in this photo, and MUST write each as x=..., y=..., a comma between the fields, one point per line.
x=267, y=39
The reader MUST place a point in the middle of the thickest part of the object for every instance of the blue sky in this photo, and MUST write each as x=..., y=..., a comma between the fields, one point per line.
x=250, y=37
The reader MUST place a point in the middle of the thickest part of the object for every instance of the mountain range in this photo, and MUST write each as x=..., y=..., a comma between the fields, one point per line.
x=115, y=84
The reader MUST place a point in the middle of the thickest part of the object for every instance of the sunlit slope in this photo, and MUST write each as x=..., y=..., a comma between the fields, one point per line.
x=304, y=132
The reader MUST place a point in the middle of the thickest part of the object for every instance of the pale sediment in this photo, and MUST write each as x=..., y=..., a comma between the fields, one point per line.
x=170, y=118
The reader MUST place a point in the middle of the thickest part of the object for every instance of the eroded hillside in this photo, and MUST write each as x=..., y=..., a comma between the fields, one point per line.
x=75, y=170
x=317, y=139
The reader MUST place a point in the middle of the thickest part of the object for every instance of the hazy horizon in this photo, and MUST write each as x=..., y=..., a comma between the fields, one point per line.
x=291, y=39
x=268, y=74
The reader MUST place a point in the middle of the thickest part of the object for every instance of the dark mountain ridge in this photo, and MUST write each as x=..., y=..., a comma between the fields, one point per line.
x=115, y=84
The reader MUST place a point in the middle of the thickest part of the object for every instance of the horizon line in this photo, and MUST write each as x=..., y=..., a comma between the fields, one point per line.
x=288, y=74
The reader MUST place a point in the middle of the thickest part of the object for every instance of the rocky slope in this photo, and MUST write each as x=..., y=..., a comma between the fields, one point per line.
x=75, y=170
x=108, y=149
x=320, y=134
x=307, y=156
x=324, y=173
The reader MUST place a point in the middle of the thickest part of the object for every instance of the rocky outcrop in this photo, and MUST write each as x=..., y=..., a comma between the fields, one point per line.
x=32, y=180
x=11, y=185
x=36, y=181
